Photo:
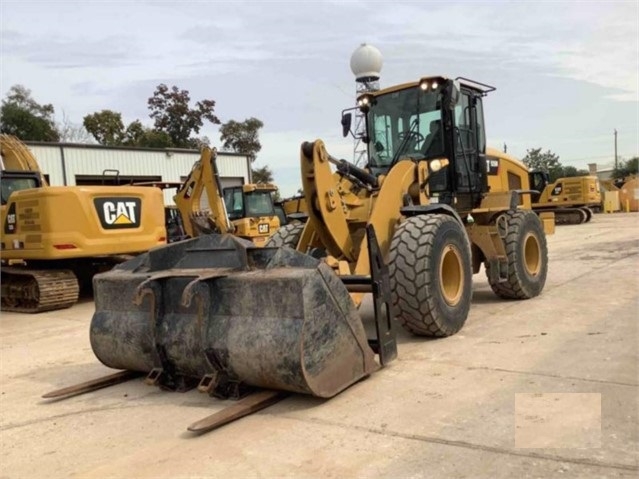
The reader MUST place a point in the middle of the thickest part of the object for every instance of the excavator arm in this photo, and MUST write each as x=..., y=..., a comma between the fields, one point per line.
x=200, y=199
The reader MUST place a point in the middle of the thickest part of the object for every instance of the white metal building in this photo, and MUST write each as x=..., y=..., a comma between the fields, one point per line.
x=68, y=164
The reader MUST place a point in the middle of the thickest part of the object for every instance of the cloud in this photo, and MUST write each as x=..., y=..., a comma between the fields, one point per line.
x=69, y=53
x=562, y=69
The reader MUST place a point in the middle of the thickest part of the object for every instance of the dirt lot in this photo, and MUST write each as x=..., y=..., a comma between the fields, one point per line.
x=540, y=388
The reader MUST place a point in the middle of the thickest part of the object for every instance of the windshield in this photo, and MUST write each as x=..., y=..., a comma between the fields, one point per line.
x=253, y=204
x=9, y=185
x=259, y=203
x=405, y=123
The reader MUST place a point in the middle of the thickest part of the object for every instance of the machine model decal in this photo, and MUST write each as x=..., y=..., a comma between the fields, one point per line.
x=115, y=213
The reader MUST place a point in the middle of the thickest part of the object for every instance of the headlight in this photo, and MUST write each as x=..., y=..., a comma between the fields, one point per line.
x=424, y=85
x=435, y=165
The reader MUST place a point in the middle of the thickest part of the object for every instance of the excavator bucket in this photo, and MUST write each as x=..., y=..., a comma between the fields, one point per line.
x=219, y=313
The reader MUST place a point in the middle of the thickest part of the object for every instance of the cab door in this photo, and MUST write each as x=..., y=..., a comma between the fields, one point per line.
x=469, y=137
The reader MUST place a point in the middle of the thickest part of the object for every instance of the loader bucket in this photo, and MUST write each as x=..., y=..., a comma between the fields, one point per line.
x=222, y=313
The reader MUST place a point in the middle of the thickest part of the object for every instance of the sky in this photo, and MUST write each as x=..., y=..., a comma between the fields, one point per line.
x=566, y=73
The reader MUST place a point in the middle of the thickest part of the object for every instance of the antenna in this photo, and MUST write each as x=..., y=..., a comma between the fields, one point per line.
x=366, y=65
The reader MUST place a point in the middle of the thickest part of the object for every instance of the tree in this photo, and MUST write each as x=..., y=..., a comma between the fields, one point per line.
x=136, y=134
x=25, y=118
x=262, y=175
x=73, y=133
x=242, y=137
x=626, y=168
x=106, y=126
x=549, y=162
x=172, y=114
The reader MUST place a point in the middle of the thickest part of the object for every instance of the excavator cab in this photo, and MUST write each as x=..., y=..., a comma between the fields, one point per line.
x=538, y=182
x=12, y=181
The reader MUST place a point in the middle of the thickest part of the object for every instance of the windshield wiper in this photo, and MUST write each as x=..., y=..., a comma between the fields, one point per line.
x=407, y=134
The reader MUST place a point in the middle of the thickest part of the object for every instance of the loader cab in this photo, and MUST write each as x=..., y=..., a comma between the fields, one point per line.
x=253, y=203
x=426, y=120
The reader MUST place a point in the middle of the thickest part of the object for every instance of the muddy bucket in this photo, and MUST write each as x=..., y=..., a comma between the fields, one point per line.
x=218, y=311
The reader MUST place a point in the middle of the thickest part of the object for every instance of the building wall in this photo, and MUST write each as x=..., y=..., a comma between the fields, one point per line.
x=62, y=162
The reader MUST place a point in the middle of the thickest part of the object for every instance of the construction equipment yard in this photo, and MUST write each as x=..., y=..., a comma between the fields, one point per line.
x=546, y=387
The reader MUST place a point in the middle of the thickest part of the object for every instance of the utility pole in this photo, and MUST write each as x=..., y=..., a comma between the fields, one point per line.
x=616, y=165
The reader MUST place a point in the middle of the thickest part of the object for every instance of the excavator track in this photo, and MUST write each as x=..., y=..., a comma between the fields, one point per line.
x=36, y=291
x=570, y=216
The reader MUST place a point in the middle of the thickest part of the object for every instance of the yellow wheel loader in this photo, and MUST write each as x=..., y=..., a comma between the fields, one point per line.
x=55, y=238
x=246, y=211
x=431, y=206
x=572, y=199
x=441, y=204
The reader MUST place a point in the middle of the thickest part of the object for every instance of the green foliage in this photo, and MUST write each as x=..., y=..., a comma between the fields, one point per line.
x=262, y=175
x=154, y=139
x=242, y=137
x=535, y=160
x=25, y=118
x=173, y=116
x=106, y=127
x=139, y=135
x=626, y=168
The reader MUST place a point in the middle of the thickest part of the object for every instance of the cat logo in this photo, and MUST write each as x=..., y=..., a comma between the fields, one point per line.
x=263, y=228
x=121, y=212
x=557, y=190
x=10, y=222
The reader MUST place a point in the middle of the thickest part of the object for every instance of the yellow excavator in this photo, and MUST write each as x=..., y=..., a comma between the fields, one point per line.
x=431, y=207
x=54, y=239
x=246, y=211
x=572, y=199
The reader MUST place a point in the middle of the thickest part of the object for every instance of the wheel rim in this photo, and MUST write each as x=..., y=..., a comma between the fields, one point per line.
x=532, y=255
x=451, y=275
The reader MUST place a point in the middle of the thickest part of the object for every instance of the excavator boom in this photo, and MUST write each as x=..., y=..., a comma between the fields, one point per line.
x=15, y=156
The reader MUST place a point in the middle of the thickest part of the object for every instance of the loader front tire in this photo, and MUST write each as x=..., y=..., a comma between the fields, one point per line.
x=527, y=254
x=430, y=274
x=287, y=235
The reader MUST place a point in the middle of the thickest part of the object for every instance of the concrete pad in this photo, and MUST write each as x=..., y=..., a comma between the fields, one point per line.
x=514, y=393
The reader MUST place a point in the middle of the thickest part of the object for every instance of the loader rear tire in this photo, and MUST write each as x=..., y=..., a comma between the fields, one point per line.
x=527, y=255
x=430, y=274
x=287, y=235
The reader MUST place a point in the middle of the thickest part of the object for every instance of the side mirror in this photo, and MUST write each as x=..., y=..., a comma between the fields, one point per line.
x=347, y=118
